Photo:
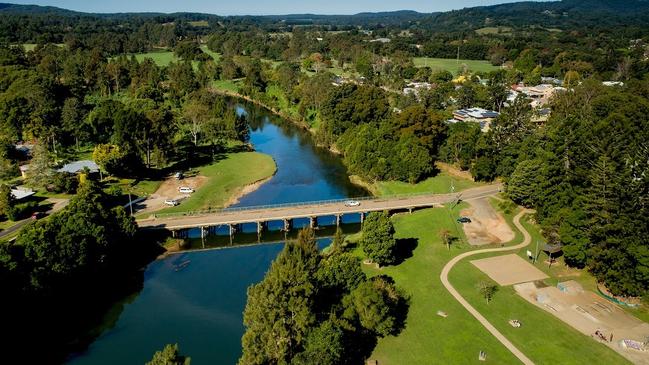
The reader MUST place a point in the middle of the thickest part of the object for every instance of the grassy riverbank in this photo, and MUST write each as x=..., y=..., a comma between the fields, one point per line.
x=457, y=339
x=227, y=180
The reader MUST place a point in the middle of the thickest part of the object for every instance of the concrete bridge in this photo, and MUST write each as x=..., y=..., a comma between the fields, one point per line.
x=286, y=213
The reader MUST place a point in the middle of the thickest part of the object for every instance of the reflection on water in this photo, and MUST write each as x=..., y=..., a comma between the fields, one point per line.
x=196, y=298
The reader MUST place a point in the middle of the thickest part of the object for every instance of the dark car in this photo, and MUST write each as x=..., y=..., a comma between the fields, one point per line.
x=464, y=220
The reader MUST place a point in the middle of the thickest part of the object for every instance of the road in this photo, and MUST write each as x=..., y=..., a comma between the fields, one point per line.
x=311, y=210
x=444, y=277
x=58, y=204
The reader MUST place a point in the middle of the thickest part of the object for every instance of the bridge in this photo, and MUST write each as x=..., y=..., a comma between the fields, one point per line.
x=234, y=217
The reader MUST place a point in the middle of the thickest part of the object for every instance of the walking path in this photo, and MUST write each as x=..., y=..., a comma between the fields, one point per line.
x=444, y=277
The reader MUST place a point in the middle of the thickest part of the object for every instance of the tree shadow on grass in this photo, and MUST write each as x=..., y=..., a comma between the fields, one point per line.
x=404, y=249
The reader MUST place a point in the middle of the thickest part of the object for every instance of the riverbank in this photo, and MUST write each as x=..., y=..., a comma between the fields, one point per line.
x=227, y=180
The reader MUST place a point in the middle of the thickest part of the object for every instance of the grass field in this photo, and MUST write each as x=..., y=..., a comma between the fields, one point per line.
x=453, y=65
x=440, y=184
x=226, y=178
x=430, y=339
x=164, y=57
x=226, y=85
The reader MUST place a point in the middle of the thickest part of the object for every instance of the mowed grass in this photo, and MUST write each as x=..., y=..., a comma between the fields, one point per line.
x=225, y=179
x=440, y=184
x=428, y=338
x=226, y=85
x=457, y=339
x=453, y=65
x=164, y=57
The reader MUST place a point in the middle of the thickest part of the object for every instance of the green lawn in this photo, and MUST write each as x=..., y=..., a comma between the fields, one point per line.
x=427, y=337
x=165, y=57
x=453, y=65
x=439, y=184
x=226, y=85
x=226, y=178
x=430, y=339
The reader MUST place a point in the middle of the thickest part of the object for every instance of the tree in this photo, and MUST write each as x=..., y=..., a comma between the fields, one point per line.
x=324, y=345
x=338, y=241
x=487, y=290
x=195, y=115
x=170, y=355
x=523, y=186
x=6, y=200
x=40, y=172
x=378, y=238
x=110, y=158
x=374, y=304
x=279, y=311
x=446, y=237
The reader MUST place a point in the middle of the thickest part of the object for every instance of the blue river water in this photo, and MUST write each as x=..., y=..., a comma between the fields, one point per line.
x=196, y=299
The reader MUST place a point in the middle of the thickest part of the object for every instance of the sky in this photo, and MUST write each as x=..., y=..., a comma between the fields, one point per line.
x=258, y=7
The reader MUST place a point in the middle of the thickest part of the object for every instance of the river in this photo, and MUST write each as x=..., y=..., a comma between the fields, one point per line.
x=196, y=299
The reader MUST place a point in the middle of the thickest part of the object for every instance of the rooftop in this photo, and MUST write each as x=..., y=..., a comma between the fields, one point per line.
x=78, y=166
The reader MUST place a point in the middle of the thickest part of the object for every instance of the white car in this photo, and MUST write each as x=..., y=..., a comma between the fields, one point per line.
x=352, y=203
x=171, y=202
x=185, y=190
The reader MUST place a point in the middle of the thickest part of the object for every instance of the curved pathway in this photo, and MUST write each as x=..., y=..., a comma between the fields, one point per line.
x=444, y=277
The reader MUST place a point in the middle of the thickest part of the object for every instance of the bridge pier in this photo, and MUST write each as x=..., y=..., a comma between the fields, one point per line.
x=313, y=222
x=288, y=225
x=362, y=218
x=204, y=232
x=339, y=218
x=261, y=226
x=410, y=210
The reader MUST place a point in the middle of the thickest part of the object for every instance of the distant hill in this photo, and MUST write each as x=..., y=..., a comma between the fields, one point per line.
x=559, y=14
x=556, y=14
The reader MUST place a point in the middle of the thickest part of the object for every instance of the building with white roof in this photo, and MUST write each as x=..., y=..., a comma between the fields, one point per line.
x=476, y=115
x=79, y=166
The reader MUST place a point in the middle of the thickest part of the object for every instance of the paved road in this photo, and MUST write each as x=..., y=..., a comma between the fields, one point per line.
x=444, y=277
x=58, y=204
x=311, y=210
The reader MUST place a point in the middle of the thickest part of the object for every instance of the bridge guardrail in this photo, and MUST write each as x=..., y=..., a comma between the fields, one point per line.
x=285, y=205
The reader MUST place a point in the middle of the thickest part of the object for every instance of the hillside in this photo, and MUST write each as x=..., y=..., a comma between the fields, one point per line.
x=557, y=14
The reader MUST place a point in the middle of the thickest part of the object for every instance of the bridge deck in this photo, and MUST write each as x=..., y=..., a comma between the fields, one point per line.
x=310, y=210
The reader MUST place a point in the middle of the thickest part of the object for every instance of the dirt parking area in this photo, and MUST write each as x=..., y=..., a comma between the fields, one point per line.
x=509, y=269
x=487, y=226
x=169, y=190
x=590, y=314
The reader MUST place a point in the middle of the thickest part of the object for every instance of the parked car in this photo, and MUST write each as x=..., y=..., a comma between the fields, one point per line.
x=464, y=220
x=171, y=202
x=179, y=176
x=37, y=215
x=185, y=190
x=352, y=203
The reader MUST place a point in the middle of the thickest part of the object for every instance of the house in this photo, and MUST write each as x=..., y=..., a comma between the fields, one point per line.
x=415, y=87
x=540, y=94
x=476, y=115
x=23, y=170
x=79, y=166
x=612, y=83
x=21, y=192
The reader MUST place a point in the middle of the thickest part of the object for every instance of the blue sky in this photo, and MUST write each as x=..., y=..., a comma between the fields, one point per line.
x=256, y=7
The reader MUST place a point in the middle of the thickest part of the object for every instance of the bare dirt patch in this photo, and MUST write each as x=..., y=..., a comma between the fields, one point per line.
x=487, y=226
x=589, y=313
x=509, y=269
x=454, y=171
x=169, y=190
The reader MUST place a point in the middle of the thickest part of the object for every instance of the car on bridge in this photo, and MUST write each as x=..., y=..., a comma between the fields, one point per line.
x=352, y=203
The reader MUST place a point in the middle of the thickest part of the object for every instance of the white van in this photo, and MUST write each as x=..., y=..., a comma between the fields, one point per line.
x=185, y=190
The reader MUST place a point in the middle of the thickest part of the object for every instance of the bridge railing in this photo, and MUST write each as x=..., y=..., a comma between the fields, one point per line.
x=289, y=205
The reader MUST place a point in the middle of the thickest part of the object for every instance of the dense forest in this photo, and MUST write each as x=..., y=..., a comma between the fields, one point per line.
x=86, y=84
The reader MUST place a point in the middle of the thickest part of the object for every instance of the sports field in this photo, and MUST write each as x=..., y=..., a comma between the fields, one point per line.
x=453, y=65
